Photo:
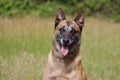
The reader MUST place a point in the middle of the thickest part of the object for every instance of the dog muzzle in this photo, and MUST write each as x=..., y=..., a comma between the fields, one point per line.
x=65, y=45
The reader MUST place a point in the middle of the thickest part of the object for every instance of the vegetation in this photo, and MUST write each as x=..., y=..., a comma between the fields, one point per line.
x=25, y=43
x=108, y=8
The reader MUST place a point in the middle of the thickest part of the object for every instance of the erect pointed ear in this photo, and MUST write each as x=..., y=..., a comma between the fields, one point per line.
x=59, y=17
x=80, y=19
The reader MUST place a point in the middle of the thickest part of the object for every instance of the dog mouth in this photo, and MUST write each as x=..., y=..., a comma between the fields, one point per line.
x=64, y=50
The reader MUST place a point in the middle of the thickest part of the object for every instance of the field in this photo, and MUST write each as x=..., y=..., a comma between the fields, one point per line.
x=25, y=43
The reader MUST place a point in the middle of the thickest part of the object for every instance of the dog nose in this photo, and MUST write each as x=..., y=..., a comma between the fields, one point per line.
x=65, y=41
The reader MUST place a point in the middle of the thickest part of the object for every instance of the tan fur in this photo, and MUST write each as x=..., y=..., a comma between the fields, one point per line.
x=64, y=23
x=57, y=69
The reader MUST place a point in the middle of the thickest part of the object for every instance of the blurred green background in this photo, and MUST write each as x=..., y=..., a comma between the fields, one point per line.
x=27, y=27
x=106, y=8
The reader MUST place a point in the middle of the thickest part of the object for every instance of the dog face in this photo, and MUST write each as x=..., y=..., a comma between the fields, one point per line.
x=67, y=33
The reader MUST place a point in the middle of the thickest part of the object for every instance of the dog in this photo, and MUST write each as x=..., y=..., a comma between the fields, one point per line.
x=64, y=60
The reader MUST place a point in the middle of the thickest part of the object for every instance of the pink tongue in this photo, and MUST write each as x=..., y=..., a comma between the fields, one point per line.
x=64, y=51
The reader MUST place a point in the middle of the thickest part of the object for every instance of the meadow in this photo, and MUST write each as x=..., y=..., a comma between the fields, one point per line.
x=25, y=44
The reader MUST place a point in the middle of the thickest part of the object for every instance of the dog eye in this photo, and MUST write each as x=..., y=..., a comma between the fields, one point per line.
x=62, y=29
x=73, y=31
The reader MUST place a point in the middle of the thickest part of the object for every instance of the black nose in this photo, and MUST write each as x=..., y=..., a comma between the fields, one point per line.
x=65, y=41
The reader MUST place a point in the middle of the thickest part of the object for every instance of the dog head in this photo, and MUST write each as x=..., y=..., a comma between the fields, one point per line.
x=67, y=33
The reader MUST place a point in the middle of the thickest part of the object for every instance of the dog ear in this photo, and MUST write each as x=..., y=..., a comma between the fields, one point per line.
x=80, y=20
x=59, y=17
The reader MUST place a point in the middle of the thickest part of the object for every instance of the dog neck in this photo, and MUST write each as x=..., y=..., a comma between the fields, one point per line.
x=66, y=63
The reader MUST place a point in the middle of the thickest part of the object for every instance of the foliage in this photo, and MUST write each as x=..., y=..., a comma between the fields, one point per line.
x=109, y=8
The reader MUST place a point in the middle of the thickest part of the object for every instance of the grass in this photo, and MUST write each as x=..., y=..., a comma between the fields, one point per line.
x=25, y=43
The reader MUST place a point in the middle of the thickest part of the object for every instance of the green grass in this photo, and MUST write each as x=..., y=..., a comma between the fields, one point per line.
x=25, y=43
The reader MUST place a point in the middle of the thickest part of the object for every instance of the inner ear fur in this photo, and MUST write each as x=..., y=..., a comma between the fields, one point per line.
x=79, y=19
x=59, y=16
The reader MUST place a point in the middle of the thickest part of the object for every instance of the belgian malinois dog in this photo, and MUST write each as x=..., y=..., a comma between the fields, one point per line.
x=64, y=60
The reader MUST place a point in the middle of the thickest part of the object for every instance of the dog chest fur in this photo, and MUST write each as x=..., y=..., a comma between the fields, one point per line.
x=61, y=70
